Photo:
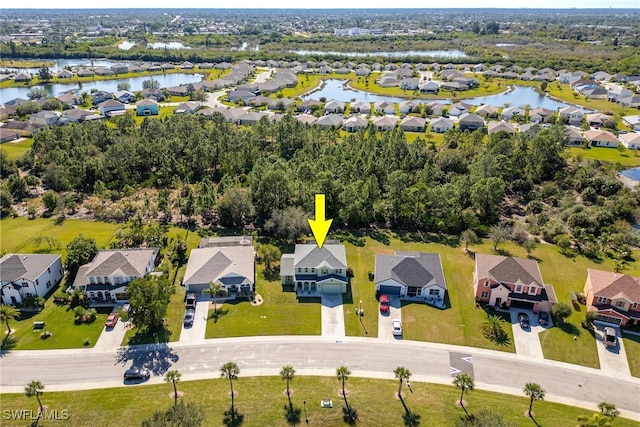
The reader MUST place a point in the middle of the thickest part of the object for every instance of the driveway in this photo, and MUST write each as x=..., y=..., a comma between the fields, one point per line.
x=332, y=316
x=195, y=333
x=384, y=320
x=112, y=337
x=613, y=360
x=527, y=341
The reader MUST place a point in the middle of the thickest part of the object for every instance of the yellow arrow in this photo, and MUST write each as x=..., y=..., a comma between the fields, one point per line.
x=320, y=226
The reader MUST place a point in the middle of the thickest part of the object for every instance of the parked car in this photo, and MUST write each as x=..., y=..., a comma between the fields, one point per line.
x=523, y=319
x=396, y=327
x=112, y=319
x=610, y=337
x=188, y=317
x=384, y=304
x=543, y=318
x=137, y=373
x=192, y=299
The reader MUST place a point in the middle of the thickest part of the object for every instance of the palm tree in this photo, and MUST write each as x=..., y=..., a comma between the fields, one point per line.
x=230, y=371
x=608, y=410
x=34, y=388
x=287, y=374
x=343, y=375
x=173, y=377
x=463, y=382
x=535, y=392
x=213, y=290
x=8, y=312
x=492, y=328
x=401, y=374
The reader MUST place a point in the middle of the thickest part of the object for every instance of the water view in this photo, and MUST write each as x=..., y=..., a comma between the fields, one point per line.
x=633, y=173
x=60, y=64
x=167, y=45
x=126, y=45
x=165, y=80
x=430, y=53
x=520, y=96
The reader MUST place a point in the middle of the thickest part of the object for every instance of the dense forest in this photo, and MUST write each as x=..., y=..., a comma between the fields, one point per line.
x=265, y=176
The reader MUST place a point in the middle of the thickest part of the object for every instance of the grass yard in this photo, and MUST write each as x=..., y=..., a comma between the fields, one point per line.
x=261, y=402
x=17, y=149
x=163, y=112
x=570, y=343
x=627, y=158
x=60, y=322
x=275, y=316
x=564, y=92
x=632, y=348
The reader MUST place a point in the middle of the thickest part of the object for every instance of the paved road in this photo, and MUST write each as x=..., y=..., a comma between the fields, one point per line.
x=366, y=357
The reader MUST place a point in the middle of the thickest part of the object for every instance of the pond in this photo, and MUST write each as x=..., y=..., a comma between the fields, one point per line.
x=167, y=45
x=165, y=80
x=61, y=64
x=126, y=45
x=520, y=96
x=400, y=54
x=633, y=173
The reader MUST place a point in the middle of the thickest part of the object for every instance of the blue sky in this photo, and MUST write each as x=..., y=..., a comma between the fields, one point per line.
x=326, y=4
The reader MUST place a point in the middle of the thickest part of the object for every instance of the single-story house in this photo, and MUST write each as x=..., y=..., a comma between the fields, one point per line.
x=64, y=74
x=539, y=114
x=78, y=115
x=101, y=96
x=124, y=96
x=502, y=281
x=119, y=68
x=178, y=90
x=632, y=121
x=7, y=135
x=309, y=104
x=430, y=87
x=511, y=112
x=306, y=119
x=441, y=125
x=614, y=296
x=629, y=140
x=601, y=138
x=28, y=275
x=147, y=107
x=110, y=106
x=495, y=127
x=487, y=110
x=409, y=84
x=354, y=123
x=574, y=136
x=280, y=104
x=156, y=94
x=45, y=117
x=360, y=107
x=189, y=107
x=334, y=106
x=410, y=274
x=329, y=121
x=384, y=107
x=573, y=115
x=405, y=107
x=459, y=108
x=385, y=122
x=241, y=95
x=313, y=270
x=69, y=99
x=469, y=121
x=413, y=124
x=632, y=101
x=436, y=108
x=251, y=118
x=102, y=71
x=22, y=77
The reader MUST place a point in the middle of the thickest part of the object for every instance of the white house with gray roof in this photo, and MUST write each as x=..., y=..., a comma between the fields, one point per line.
x=232, y=266
x=410, y=274
x=106, y=277
x=28, y=275
x=316, y=270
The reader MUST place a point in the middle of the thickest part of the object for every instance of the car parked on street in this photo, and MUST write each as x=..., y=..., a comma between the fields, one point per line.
x=188, y=317
x=396, y=327
x=523, y=319
x=111, y=321
x=543, y=318
x=384, y=304
x=137, y=373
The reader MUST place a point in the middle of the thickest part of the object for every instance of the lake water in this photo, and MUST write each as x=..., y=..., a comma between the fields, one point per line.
x=167, y=45
x=126, y=45
x=61, y=64
x=518, y=97
x=401, y=54
x=633, y=173
x=165, y=80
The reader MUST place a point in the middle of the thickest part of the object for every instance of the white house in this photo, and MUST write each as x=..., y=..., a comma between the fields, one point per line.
x=106, y=277
x=316, y=270
x=601, y=138
x=410, y=274
x=441, y=125
x=28, y=275
x=572, y=114
x=630, y=140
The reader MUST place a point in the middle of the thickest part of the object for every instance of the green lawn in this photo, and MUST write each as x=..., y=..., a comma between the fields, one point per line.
x=163, y=112
x=280, y=314
x=60, y=322
x=570, y=343
x=17, y=149
x=261, y=402
x=632, y=348
x=564, y=92
x=627, y=158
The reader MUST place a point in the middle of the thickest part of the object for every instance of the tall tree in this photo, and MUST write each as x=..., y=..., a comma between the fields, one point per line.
x=174, y=378
x=463, y=382
x=499, y=234
x=8, y=312
x=469, y=237
x=343, y=375
x=150, y=84
x=35, y=388
x=213, y=290
x=149, y=298
x=80, y=251
x=287, y=374
x=269, y=254
x=402, y=374
x=230, y=371
x=44, y=73
x=535, y=392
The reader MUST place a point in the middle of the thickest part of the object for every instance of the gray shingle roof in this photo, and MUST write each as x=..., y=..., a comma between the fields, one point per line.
x=331, y=255
x=27, y=266
x=229, y=265
x=125, y=262
x=416, y=269
x=508, y=269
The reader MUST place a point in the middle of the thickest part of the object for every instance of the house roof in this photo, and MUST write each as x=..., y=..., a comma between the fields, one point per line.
x=630, y=138
x=232, y=265
x=385, y=121
x=286, y=265
x=24, y=266
x=614, y=285
x=330, y=255
x=146, y=102
x=330, y=120
x=441, y=121
x=417, y=269
x=225, y=241
x=111, y=103
x=508, y=269
x=355, y=120
x=123, y=262
x=600, y=135
x=501, y=126
x=306, y=119
x=413, y=121
x=470, y=117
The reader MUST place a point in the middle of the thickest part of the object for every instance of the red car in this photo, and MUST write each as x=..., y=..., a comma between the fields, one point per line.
x=384, y=304
x=112, y=319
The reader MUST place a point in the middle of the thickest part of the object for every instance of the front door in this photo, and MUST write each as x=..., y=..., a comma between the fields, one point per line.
x=498, y=302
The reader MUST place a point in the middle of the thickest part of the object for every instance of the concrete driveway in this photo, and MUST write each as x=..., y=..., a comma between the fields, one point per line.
x=527, y=341
x=384, y=320
x=613, y=360
x=332, y=316
x=112, y=337
x=196, y=332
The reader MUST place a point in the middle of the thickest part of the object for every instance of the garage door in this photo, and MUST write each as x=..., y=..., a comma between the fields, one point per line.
x=331, y=288
x=197, y=288
x=609, y=319
x=390, y=290
x=521, y=304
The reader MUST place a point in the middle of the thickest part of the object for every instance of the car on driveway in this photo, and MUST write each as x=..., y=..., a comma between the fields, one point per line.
x=191, y=301
x=610, y=337
x=543, y=318
x=523, y=319
x=137, y=373
x=384, y=304
x=188, y=317
x=112, y=319
x=396, y=327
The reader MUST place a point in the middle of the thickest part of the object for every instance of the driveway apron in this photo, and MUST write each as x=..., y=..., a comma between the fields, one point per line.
x=332, y=316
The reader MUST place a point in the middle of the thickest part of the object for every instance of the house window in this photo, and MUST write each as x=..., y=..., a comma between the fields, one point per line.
x=434, y=292
x=339, y=271
x=519, y=288
x=306, y=270
x=532, y=290
x=486, y=283
x=619, y=303
x=635, y=305
x=485, y=294
x=48, y=283
x=37, y=282
x=49, y=270
x=602, y=300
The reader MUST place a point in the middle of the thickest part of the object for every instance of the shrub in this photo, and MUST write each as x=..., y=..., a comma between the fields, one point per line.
x=560, y=312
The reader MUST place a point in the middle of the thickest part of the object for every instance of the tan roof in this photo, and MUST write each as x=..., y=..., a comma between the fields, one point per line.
x=508, y=269
x=600, y=135
x=614, y=285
